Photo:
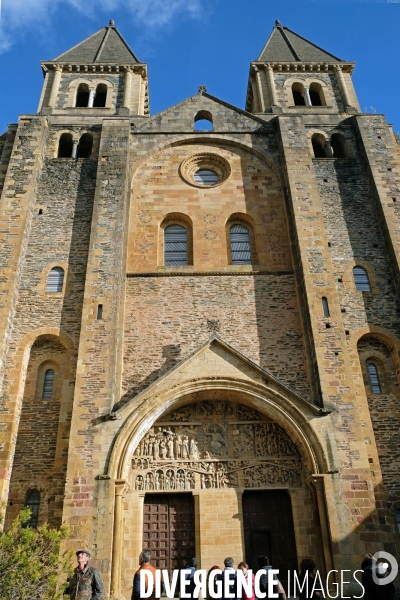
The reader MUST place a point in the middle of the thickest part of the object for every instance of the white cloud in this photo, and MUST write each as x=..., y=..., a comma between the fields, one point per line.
x=18, y=15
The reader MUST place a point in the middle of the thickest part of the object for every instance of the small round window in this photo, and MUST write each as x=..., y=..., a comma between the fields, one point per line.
x=205, y=177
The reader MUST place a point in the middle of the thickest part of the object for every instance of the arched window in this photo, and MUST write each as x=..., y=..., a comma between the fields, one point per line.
x=175, y=246
x=317, y=95
x=318, y=144
x=33, y=502
x=298, y=94
x=47, y=393
x=338, y=146
x=374, y=378
x=82, y=96
x=240, y=245
x=361, y=279
x=100, y=96
x=55, y=280
x=203, y=121
x=85, y=146
x=65, y=146
x=325, y=307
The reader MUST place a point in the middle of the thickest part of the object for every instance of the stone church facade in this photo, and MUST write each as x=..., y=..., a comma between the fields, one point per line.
x=200, y=322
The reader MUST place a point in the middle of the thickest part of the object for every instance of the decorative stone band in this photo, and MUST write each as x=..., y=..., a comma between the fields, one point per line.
x=308, y=67
x=94, y=68
x=206, y=161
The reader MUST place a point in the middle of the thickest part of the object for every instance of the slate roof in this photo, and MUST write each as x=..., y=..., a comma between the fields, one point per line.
x=286, y=45
x=105, y=46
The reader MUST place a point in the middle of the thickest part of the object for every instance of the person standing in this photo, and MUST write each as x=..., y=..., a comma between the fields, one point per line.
x=307, y=576
x=85, y=584
x=189, y=576
x=144, y=562
x=232, y=587
x=244, y=568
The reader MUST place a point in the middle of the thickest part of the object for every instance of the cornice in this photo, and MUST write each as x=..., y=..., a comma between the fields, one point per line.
x=48, y=65
x=302, y=67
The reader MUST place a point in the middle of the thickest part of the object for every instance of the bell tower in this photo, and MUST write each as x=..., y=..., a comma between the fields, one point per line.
x=100, y=76
x=294, y=76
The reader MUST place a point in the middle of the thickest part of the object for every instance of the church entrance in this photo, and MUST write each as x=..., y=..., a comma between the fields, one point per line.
x=268, y=530
x=168, y=529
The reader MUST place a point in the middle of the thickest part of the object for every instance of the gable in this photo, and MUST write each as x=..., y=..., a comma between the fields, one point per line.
x=180, y=118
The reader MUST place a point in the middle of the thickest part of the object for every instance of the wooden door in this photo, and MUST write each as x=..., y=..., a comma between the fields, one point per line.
x=269, y=531
x=168, y=529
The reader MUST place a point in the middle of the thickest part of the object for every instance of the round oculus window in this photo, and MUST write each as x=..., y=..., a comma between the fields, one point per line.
x=205, y=170
x=205, y=177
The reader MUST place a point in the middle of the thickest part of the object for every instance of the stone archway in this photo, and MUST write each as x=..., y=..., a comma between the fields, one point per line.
x=213, y=451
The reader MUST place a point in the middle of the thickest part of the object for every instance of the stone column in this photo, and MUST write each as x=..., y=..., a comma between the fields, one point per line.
x=127, y=88
x=307, y=97
x=120, y=488
x=74, y=148
x=91, y=98
x=318, y=482
x=342, y=86
x=55, y=85
x=329, y=151
x=271, y=85
x=260, y=90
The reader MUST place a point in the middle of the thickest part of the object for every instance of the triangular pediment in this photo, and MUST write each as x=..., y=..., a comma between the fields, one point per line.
x=105, y=46
x=216, y=361
x=180, y=117
x=284, y=45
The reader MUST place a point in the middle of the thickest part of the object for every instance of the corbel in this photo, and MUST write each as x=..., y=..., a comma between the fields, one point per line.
x=70, y=68
x=85, y=68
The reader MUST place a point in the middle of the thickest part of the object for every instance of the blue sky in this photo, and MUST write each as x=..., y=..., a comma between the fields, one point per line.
x=191, y=42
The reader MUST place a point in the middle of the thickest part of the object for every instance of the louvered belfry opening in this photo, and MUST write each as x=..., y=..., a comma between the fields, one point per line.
x=33, y=502
x=101, y=96
x=82, y=96
x=48, y=385
x=361, y=279
x=240, y=245
x=374, y=378
x=175, y=246
x=55, y=280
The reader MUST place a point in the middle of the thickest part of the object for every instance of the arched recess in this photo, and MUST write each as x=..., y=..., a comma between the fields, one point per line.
x=42, y=432
x=378, y=346
x=267, y=412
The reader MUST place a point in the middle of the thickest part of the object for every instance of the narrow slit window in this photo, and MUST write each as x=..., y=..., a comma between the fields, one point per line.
x=361, y=279
x=240, y=245
x=100, y=312
x=55, y=280
x=33, y=502
x=325, y=307
x=175, y=246
x=48, y=385
x=374, y=379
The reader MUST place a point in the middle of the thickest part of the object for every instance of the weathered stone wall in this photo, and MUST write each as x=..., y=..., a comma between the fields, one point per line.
x=59, y=236
x=166, y=319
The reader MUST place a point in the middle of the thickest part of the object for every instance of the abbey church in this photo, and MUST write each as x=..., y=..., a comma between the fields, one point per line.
x=200, y=315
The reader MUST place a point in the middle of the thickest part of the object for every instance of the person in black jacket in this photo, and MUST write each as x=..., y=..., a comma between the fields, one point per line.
x=307, y=576
x=229, y=562
x=263, y=563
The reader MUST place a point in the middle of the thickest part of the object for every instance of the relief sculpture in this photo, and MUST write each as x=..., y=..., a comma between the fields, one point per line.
x=213, y=445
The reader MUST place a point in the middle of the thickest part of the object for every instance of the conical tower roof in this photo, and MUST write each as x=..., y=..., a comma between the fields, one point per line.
x=105, y=46
x=286, y=45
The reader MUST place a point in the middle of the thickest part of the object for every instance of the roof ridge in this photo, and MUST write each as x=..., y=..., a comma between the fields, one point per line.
x=102, y=43
x=289, y=43
x=125, y=43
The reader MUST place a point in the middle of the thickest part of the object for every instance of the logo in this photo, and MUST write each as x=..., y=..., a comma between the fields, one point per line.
x=386, y=568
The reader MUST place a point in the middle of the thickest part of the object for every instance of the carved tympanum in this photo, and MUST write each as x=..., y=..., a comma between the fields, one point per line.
x=215, y=444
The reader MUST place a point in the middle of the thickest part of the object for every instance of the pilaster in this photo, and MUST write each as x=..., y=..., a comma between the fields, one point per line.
x=16, y=209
